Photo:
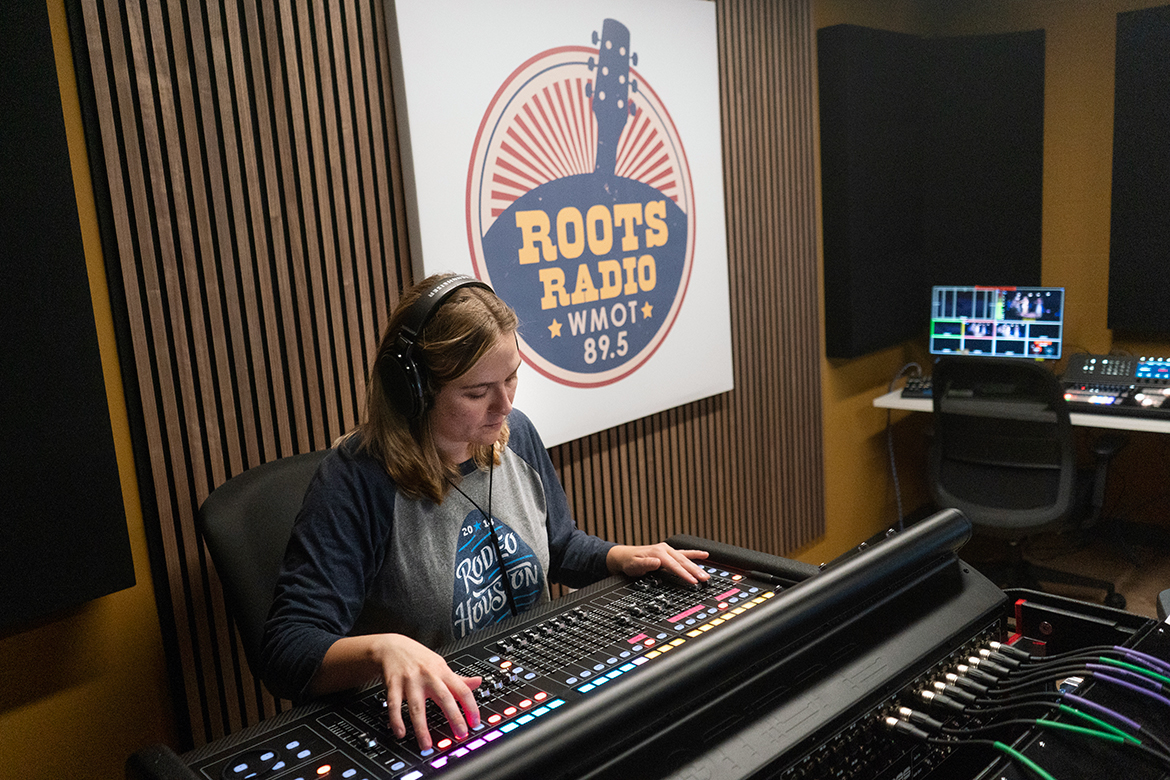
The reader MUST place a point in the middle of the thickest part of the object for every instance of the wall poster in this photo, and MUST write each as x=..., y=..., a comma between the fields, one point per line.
x=569, y=154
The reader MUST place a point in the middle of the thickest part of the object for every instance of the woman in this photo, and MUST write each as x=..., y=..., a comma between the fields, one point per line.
x=411, y=522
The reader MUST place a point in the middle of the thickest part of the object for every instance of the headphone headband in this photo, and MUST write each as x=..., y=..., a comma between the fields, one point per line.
x=402, y=376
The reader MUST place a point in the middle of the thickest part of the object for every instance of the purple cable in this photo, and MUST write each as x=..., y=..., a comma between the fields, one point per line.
x=1084, y=703
x=1152, y=685
x=1157, y=664
x=1135, y=688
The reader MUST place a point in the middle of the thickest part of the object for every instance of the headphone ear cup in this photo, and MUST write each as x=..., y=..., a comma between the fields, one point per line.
x=402, y=383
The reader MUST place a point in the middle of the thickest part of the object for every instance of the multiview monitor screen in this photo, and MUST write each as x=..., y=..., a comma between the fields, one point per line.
x=1023, y=322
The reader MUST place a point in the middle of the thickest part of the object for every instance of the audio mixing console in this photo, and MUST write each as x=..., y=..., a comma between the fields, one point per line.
x=763, y=672
x=598, y=637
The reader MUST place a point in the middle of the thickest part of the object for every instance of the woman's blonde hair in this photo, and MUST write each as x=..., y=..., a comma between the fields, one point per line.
x=464, y=328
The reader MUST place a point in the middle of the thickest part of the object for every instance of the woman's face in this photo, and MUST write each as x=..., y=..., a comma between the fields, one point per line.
x=472, y=408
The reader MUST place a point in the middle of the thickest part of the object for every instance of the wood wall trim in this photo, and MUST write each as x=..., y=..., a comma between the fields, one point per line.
x=258, y=211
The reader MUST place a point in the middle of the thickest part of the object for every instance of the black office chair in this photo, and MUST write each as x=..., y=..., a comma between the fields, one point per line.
x=1004, y=454
x=246, y=523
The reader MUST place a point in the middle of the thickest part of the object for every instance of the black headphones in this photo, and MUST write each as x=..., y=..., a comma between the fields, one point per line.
x=402, y=376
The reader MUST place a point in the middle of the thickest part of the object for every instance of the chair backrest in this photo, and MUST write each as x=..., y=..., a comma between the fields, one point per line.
x=246, y=523
x=1003, y=451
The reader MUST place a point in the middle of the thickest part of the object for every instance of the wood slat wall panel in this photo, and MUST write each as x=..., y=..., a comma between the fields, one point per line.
x=255, y=197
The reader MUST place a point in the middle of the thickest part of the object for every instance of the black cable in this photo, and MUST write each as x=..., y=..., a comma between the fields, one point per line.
x=890, y=442
x=491, y=524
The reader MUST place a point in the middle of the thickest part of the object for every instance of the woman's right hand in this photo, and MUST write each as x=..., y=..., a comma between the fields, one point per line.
x=411, y=672
x=414, y=673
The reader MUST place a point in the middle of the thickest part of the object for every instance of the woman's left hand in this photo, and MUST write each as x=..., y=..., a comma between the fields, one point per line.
x=636, y=561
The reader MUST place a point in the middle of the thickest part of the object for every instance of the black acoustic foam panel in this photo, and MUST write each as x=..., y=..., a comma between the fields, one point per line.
x=63, y=535
x=1139, y=245
x=931, y=172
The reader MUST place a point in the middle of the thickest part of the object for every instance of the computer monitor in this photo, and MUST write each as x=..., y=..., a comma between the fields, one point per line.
x=1025, y=322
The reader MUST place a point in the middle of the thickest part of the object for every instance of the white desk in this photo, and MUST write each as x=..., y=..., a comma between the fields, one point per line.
x=894, y=400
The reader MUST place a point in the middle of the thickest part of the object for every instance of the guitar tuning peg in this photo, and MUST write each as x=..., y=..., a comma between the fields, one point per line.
x=596, y=38
x=588, y=89
x=633, y=85
x=592, y=64
x=633, y=108
x=633, y=58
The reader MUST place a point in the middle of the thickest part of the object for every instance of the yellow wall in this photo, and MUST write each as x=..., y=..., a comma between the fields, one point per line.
x=81, y=692
x=1078, y=151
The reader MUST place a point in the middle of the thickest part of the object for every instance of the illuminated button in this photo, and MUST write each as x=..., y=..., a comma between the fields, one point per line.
x=460, y=753
x=506, y=665
x=695, y=633
x=705, y=628
x=653, y=654
x=723, y=605
x=665, y=648
x=525, y=720
x=492, y=736
x=586, y=688
x=552, y=705
x=718, y=621
x=476, y=745
x=628, y=667
x=540, y=711
x=495, y=718
x=510, y=711
x=649, y=643
x=398, y=766
x=349, y=773
x=323, y=770
x=415, y=775
x=509, y=727
x=526, y=704
x=541, y=696
x=739, y=610
x=304, y=754
x=445, y=743
x=439, y=763
x=615, y=674
x=639, y=660
x=293, y=745
x=758, y=600
x=678, y=642
x=736, y=577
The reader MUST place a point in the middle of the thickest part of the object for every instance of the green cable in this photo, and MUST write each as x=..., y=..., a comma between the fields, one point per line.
x=1018, y=756
x=1097, y=721
x=1080, y=730
x=1133, y=668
